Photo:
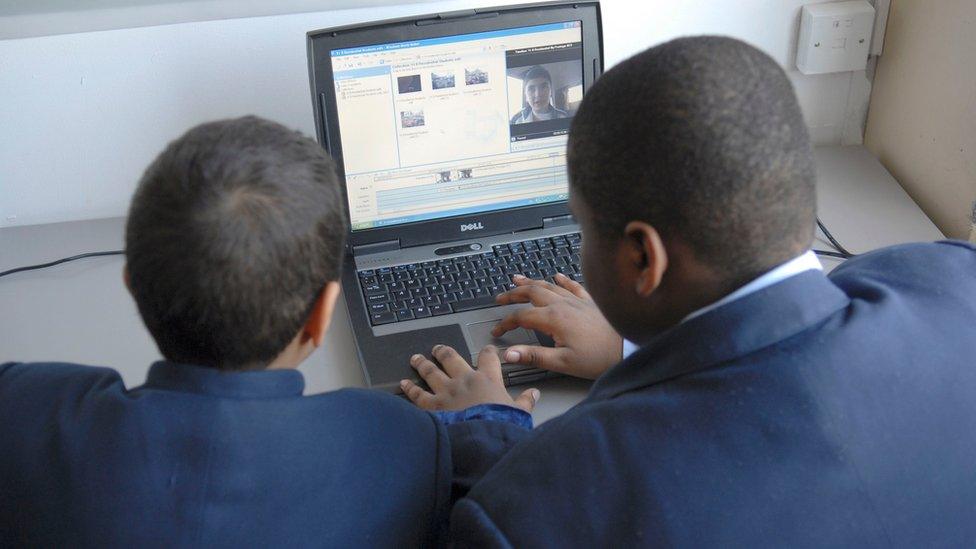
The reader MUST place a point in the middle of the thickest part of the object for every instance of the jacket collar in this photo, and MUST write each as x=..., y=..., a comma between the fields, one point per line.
x=739, y=328
x=185, y=378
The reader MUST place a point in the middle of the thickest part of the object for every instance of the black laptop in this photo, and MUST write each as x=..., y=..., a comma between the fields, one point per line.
x=449, y=132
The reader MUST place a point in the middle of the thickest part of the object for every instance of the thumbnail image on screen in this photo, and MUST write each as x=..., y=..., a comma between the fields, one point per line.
x=441, y=80
x=409, y=84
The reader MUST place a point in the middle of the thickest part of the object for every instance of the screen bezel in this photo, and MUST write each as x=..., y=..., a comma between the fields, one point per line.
x=431, y=231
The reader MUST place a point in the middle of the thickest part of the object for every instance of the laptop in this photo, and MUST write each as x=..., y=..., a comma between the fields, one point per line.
x=449, y=132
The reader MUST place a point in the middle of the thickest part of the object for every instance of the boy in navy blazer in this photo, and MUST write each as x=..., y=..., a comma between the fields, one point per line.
x=766, y=404
x=233, y=248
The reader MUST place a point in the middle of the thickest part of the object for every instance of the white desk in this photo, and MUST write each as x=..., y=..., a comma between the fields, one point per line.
x=81, y=311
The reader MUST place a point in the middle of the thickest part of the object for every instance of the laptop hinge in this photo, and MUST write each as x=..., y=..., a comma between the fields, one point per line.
x=558, y=221
x=376, y=247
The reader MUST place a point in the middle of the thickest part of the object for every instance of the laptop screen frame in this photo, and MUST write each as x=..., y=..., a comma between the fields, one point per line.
x=432, y=231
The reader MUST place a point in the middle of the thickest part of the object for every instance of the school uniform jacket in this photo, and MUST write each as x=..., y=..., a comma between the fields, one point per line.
x=202, y=458
x=820, y=411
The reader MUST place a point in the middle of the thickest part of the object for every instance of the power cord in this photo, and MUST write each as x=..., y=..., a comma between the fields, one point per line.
x=841, y=252
x=60, y=261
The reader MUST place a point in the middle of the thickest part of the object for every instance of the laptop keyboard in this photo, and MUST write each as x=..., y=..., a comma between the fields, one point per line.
x=464, y=283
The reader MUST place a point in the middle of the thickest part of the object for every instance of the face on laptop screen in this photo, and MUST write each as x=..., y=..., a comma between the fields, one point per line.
x=457, y=125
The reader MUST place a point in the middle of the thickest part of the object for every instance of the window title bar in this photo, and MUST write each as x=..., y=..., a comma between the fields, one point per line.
x=451, y=39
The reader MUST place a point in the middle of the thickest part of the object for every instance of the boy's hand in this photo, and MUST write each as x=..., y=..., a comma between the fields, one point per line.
x=458, y=386
x=586, y=344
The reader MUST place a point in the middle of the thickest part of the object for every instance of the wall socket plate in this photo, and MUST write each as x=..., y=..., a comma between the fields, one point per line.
x=834, y=37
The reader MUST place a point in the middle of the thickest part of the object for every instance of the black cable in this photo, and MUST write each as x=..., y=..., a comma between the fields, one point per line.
x=833, y=241
x=829, y=253
x=60, y=261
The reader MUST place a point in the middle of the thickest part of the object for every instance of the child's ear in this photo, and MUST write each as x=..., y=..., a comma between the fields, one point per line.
x=125, y=277
x=648, y=256
x=318, y=322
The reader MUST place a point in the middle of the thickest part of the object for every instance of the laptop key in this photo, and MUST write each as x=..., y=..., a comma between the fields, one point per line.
x=421, y=312
x=374, y=289
x=394, y=286
x=378, y=298
x=405, y=314
x=472, y=304
x=383, y=318
x=379, y=307
x=440, y=309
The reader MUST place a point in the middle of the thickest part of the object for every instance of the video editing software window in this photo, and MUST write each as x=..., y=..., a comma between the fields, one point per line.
x=456, y=125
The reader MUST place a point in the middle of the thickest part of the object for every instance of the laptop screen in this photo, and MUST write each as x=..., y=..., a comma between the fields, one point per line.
x=455, y=125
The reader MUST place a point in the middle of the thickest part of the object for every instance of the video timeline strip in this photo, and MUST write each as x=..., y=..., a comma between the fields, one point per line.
x=498, y=187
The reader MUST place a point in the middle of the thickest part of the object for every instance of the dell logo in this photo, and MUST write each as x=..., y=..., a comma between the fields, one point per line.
x=471, y=226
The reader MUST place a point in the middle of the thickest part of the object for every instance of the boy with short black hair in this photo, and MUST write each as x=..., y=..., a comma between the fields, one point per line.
x=233, y=248
x=767, y=404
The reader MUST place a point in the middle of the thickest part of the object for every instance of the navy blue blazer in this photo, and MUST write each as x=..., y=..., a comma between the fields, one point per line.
x=820, y=411
x=197, y=457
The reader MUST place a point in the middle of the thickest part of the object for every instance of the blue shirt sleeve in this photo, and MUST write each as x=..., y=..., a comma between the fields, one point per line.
x=488, y=412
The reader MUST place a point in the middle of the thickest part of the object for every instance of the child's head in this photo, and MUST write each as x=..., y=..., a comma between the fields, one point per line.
x=234, y=234
x=700, y=145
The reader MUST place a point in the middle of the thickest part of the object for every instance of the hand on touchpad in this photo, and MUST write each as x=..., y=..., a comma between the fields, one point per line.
x=479, y=335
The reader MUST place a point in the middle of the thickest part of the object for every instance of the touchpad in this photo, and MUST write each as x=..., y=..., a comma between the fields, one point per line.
x=478, y=334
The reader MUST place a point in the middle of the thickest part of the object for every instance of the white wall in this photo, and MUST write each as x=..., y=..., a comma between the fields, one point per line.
x=81, y=115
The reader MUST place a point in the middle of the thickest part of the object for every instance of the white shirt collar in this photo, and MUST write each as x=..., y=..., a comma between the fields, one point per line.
x=806, y=261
